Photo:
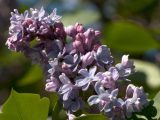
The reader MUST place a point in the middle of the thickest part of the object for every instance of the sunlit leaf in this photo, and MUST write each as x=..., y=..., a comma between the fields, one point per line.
x=58, y=112
x=128, y=37
x=157, y=105
x=25, y=106
x=151, y=71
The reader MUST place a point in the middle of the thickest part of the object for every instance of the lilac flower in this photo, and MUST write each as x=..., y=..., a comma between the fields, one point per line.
x=71, y=116
x=88, y=78
x=103, y=56
x=73, y=104
x=136, y=99
x=87, y=59
x=70, y=63
x=54, y=49
x=91, y=36
x=25, y=27
x=108, y=102
x=70, y=93
x=42, y=16
x=67, y=89
x=108, y=79
x=126, y=67
x=104, y=99
x=79, y=28
x=70, y=31
x=54, y=66
x=73, y=30
x=59, y=31
x=83, y=41
x=78, y=43
x=117, y=112
x=52, y=84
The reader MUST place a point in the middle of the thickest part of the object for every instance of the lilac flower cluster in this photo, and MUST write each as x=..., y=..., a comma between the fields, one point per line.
x=75, y=61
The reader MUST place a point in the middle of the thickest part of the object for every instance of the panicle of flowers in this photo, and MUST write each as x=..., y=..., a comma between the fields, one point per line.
x=75, y=60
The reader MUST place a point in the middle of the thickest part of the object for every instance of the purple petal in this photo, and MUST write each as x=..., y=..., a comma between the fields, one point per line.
x=93, y=100
x=84, y=72
x=64, y=79
x=92, y=71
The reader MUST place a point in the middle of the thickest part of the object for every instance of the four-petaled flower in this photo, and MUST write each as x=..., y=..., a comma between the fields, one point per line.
x=126, y=67
x=67, y=89
x=108, y=79
x=103, y=56
x=88, y=78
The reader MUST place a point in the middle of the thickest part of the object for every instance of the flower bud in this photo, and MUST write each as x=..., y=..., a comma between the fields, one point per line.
x=87, y=59
x=71, y=31
x=78, y=43
x=79, y=28
x=89, y=34
x=52, y=85
x=66, y=69
x=59, y=30
x=129, y=91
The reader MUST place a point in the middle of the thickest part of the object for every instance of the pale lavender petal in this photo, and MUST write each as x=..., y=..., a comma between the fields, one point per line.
x=64, y=79
x=92, y=71
x=84, y=72
x=93, y=100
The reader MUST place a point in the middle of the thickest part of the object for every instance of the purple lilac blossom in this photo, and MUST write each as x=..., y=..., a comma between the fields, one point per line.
x=103, y=56
x=88, y=78
x=108, y=102
x=87, y=59
x=73, y=104
x=67, y=89
x=52, y=84
x=108, y=79
x=136, y=99
x=126, y=67
x=73, y=66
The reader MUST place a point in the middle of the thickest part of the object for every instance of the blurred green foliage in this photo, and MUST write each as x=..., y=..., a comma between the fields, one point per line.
x=128, y=37
x=91, y=117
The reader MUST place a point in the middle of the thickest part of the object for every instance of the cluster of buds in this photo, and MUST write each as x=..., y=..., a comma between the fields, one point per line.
x=76, y=61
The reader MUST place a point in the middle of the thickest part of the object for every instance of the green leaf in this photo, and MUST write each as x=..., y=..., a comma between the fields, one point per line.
x=25, y=106
x=69, y=19
x=11, y=58
x=33, y=75
x=151, y=71
x=133, y=6
x=58, y=112
x=141, y=117
x=128, y=37
x=157, y=105
x=92, y=117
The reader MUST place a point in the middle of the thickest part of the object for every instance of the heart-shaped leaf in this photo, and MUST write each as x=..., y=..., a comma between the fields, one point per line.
x=25, y=106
